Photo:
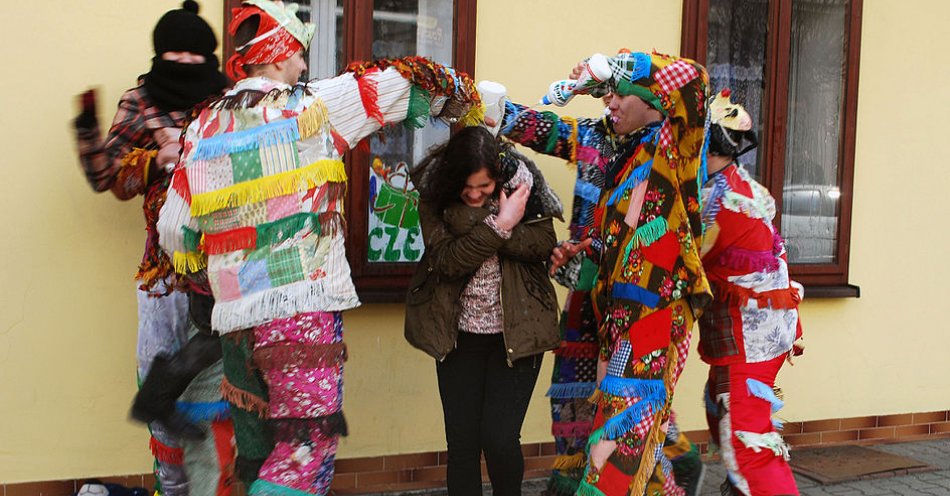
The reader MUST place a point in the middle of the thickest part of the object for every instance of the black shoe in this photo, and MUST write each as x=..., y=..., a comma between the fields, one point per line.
x=727, y=489
x=155, y=400
x=690, y=477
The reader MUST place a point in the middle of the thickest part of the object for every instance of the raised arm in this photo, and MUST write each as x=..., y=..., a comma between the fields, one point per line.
x=101, y=160
x=408, y=90
x=546, y=132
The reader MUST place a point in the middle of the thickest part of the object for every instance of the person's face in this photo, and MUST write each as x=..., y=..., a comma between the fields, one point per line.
x=478, y=189
x=293, y=68
x=184, y=57
x=629, y=113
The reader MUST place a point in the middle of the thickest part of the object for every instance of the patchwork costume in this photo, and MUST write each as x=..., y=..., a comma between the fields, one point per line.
x=752, y=323
x=257, y=201
x=124, y=163
x=590, y=145
x=650, y=284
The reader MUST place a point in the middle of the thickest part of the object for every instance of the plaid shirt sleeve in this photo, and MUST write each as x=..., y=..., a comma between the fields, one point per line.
x=101, y=161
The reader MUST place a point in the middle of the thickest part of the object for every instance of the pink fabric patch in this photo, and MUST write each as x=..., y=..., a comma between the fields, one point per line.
x=635, y=205
x=228, y=287
x=282, y=206
x=295, y=391
x=588, y=155
x=304, y=467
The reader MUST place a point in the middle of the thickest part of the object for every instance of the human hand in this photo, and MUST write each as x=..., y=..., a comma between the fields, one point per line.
x=168, y=156
x=798, y=349
x=87, y=110
x=577, y=70
x=164, y=136
x=511, y=208
x=562, y=253
x=490, y=123
x=601, y=451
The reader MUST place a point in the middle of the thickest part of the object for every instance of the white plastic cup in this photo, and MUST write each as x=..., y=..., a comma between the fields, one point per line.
x=493, y=96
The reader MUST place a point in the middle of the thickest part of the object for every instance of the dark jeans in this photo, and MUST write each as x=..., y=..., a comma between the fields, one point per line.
x=484, y=402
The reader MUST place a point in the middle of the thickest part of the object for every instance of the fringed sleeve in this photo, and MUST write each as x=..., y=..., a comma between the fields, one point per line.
x=408, y=90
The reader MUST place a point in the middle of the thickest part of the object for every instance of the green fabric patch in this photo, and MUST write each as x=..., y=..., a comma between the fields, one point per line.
x=418, y=113
x=192, y=238
x=587, y=276
x=249, y=429
x=284, y=267
x=246, y=166
x=280, y=230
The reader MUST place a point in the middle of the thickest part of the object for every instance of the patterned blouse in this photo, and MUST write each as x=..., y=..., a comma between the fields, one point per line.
x=481, y=299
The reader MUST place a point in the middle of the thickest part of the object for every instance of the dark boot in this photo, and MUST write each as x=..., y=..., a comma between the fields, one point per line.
x=727, y=489
x=168, y=379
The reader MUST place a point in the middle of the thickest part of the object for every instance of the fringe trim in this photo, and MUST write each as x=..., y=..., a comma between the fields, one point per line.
x=311, y=356
x=571, y=390
x=199, y=412
x=280, y=230
x=636, y=177
x=566, y=462
x=626, y=420
x=417, y=114
x=242, y=399
x=186, y=263
x=339, y=142
x=576, y=350
x=258, y=190
x=572, y=141
x=274, y=133
x=180, y=184
x=571, y=429
x=648, y=458
x=312, y=119
x=242, y=238
x=280, y=302
x=369, y=94
x=272, y=233
x=585, y=489
x=261, y=487
x=166, y=454
x=749, y=260
x=191, y=238
x=650, y=232
x=560, y=485
x=739, y=296
x=644, y=389
x=474, y=116
x=763, y=391
x=299, y=430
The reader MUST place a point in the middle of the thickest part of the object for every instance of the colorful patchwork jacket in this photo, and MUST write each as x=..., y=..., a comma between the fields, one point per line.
x=754, y=313
x=648, y=217
x=258, y=194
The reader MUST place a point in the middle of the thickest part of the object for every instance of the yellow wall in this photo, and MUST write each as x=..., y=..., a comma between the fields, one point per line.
x=67, y=307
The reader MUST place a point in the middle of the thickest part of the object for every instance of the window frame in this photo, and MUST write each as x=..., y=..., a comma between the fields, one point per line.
x=377, y=282
x=820, y=280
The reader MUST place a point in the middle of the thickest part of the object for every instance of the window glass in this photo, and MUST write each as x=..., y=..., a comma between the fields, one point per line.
x=738, y=33
x=402, y=28
x=815, y=103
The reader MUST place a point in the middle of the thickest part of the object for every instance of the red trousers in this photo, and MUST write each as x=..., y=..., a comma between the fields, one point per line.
x=760, y=472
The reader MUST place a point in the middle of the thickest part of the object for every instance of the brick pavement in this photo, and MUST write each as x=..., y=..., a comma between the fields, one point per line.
x=934, y=452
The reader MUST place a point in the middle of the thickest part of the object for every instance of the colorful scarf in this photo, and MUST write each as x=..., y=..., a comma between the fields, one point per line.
x=280, y=34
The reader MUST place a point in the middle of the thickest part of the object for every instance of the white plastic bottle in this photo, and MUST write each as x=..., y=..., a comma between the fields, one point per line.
x=595, y=72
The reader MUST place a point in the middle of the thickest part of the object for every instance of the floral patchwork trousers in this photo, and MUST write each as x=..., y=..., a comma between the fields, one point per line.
x=625, y=449
x=301, y=361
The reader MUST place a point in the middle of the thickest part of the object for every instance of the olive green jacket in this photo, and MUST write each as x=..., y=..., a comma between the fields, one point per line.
x=457, y=242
